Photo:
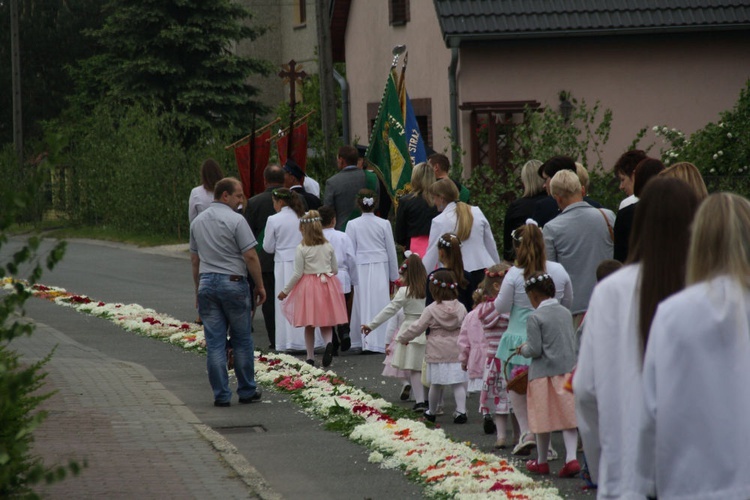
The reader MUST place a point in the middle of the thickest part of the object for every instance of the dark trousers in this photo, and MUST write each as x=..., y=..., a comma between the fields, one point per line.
x=269, y=312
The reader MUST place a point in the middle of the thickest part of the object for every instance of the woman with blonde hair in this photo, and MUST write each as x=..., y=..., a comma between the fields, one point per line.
x=521, y=208
x=512, y=299
x=478, y=247
x=690, y=174
x=697, y=366
x=415, y=211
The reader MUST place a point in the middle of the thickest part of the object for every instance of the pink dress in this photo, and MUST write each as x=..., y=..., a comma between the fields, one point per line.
x=472, y=349
x=314, y=294
x=493, y=399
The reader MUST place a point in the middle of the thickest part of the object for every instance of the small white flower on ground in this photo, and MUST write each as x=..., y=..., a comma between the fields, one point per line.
x=716, y=156
x=712, y=170
x=375, y=457
x=720, y=153
x=729, y=135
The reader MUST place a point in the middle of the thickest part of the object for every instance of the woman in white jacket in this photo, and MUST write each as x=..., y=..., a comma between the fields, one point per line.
x=607, y=379
x=281, y=238
x=478, y=247
x=694, y=432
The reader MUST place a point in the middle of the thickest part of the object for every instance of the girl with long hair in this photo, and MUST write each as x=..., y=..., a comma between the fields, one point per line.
x=407, y=359
x=697, y=366
x=415, y=211
x=202, y=196
x=314, y=294
x=607, y=381
x=512, y=299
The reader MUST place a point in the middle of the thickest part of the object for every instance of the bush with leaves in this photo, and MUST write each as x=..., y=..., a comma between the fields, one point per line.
x=21, y=385
x=720, y=150
x=128, y=169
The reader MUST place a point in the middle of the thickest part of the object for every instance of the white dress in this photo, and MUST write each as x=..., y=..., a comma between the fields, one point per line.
x=344, y=249
x=694, y=434
x=377, y=267
x=479, y=251
x=200, y=199
x=607, y=382
x=281, y=238
x=410, y=356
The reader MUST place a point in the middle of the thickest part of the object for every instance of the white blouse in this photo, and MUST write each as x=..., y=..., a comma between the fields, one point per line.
x=282, y=235
x=694, y=432
x=512, y=290
x=479, y=251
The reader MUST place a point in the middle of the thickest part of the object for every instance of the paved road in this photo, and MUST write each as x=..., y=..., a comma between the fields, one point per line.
x=279, y=450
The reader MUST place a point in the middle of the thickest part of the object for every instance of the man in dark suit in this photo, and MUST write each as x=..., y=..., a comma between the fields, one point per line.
x=293, y=179
x=259, y=209
x=342, y=188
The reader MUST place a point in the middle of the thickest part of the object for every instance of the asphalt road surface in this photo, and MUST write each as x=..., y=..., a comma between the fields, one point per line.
x=292, y=451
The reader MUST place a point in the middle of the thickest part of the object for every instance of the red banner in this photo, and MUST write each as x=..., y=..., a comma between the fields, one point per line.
x=299, y=146
x=253, y=185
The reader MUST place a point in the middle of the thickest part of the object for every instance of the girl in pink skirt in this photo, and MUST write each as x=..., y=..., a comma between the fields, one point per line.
x=315, y=297
x=550, y=345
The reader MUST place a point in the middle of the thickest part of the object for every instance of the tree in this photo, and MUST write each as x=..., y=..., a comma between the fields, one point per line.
x=50, y=39
x=178, y=55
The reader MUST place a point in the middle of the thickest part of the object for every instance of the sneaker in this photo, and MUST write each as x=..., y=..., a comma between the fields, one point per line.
x=489, y=424
x=536, y=468
x=222, y=404
x=405, y=391
x=420, y=407
x=429, y=416
x=571, y=469
x=525, y=444
x=460, y=418
x=252, y=399
x=551, y=454
x=328, y=355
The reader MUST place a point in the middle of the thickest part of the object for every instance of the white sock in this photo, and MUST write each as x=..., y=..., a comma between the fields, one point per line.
x=518, y=402
x=459, y=393
x=435, y=396
x=417, y=389
x=570, y=438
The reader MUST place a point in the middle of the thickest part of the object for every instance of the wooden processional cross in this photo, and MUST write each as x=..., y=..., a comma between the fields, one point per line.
x=290, y=74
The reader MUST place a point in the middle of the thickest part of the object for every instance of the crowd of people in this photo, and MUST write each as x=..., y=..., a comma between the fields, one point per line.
x=628, y=331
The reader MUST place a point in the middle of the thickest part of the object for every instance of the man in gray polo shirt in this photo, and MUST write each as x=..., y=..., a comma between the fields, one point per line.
x=222, y=251
x=579, y=238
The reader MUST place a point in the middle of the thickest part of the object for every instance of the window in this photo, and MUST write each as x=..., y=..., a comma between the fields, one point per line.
x=494, y=141
x=398, y=12
x=300, y=13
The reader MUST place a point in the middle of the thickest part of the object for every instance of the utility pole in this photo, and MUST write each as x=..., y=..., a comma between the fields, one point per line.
x=15, y=56
x=325, y=72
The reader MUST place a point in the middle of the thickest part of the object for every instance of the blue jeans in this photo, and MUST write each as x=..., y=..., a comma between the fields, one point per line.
x=224, y=304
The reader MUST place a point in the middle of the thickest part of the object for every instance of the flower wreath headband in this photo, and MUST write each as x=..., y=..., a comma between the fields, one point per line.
x=282, y=195
x=536, y=279
x=306, y=219
x=496, y=274
x=447, y=243
x=443, y=284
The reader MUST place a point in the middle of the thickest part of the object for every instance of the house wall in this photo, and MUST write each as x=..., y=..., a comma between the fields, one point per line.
x=283, y=40
x=678, y=80
x=369, y=41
